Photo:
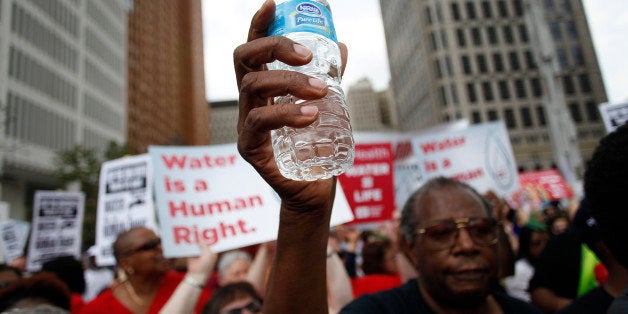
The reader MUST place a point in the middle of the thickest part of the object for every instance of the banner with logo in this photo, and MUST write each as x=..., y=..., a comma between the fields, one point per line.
x=13, y=235
x=124, y=201
x=211, y=194
x=480, y=155
x=57, y=227
x=614, y=115
x=369, y=184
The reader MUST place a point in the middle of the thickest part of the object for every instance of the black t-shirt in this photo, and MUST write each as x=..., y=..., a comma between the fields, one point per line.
x=407, y=299
x=558, y=268
x=620, y=304
x=594, y=301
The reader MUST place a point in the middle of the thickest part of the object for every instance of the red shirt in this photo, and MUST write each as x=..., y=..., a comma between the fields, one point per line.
x=374, y=283
x=106, y=302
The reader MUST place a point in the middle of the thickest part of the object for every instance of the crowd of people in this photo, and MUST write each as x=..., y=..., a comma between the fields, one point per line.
x=449, y=249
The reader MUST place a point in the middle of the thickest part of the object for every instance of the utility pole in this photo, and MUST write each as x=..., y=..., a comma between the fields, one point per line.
x=562, y=130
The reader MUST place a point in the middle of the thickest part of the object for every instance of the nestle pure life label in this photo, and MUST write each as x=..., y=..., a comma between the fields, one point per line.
x=303, y=16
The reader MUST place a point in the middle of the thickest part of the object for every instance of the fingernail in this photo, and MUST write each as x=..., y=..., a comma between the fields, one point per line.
x=302, y=50
x=309, y=111
x=317, y=83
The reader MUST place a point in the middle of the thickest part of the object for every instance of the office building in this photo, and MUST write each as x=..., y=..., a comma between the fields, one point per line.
x=473, y=60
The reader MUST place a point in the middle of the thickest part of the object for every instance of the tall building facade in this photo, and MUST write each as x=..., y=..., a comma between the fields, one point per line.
x=473, y=59
x=166, y=90
x=63, y=81
x=224, y=121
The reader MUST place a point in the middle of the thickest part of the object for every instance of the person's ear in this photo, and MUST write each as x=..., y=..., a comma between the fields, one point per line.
x=407, y=249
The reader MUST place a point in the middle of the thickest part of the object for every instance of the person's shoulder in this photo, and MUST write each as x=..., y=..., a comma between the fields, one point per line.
x=514, y=305
x=103, y=303
x=402, y=299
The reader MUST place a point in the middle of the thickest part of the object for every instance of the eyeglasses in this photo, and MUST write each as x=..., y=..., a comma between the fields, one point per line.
x=442, y=235
x=253, y=307
x=147, y=246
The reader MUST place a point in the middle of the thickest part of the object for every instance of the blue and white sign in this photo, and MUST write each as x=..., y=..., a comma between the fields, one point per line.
x=480, y=155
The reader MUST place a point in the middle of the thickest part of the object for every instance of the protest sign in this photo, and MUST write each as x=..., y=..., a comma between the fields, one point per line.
x=124, y=201
x=614, y=115
x=14, y=234
x=540, y=186
x=480, y=155
x=57, y=227
x=369, y=183
x=211, y=194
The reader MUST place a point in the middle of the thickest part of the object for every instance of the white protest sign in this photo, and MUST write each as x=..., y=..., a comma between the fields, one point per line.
x=614, y=115
x=211, y=194
x=4, y=211
x=14, y=234
x=57, y=227
x=480, y=155
x=124, y=201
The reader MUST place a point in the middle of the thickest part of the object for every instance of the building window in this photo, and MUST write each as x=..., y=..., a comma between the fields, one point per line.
x=572, y=32
x=486, y=9
x=454, y=93
x=443, y=96
x=492, y=115
x=487, y=89
x=566, y=6
x=471, y=10
x=504, y=90
x=555, y=30
x=520, y=88
x=437, y=69
x=466, y=65
x=476, y=117
x=502, y=8
x=530, y=63
x=428, y=15
x=508, y=38
x=526, y=117
x=569, y=86
x=455, y=11
x=509, y=116
x=593, y=113
x=492, y=35
x=549, y=5
x=462, y=42
x=448, y=66
x=585, y=84
x=577, y=56
x=482, y=66
x=523, y=33
x=471, y=94
x=562, y=57
x=537, y=89
x=433, y=39
x=498, y=62
x=576, y=114
x=514, y=61
x=540, y=113
x=518, y=7
x=477, y=36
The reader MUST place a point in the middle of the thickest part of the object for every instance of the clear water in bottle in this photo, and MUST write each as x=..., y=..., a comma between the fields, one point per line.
x=324, y=148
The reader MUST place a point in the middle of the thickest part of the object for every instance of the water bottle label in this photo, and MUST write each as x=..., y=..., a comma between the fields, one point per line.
x=302, y=16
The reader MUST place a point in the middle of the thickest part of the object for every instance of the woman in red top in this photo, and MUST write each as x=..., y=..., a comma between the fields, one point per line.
x=145, y=281
x=379, y=266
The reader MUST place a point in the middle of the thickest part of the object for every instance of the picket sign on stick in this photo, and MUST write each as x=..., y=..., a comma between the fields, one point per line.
x=211, y=194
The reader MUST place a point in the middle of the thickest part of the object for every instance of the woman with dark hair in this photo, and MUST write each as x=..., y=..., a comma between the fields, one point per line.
x=532, y=239
x=40, y=293
x=234, y=298
x=70, y=271
x=379, y=266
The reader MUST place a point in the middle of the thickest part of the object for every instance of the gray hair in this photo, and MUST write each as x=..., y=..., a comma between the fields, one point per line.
x=408, y=223
x=229, y=257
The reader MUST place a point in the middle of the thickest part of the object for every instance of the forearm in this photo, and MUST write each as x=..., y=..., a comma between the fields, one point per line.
x=297, y=280
x=340, y=292
x=185, y=297
x=256, y=275
x=547, y=301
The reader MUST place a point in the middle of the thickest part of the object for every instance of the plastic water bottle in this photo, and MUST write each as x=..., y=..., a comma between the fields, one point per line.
x=325, y=148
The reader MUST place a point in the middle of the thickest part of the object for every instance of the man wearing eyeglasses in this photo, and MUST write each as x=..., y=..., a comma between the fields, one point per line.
x=449, y=235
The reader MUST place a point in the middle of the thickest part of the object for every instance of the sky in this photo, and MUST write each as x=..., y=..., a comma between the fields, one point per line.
x=358, y=24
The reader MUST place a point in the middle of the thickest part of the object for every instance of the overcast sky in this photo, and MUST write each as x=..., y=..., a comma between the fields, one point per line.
x=358, y=24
